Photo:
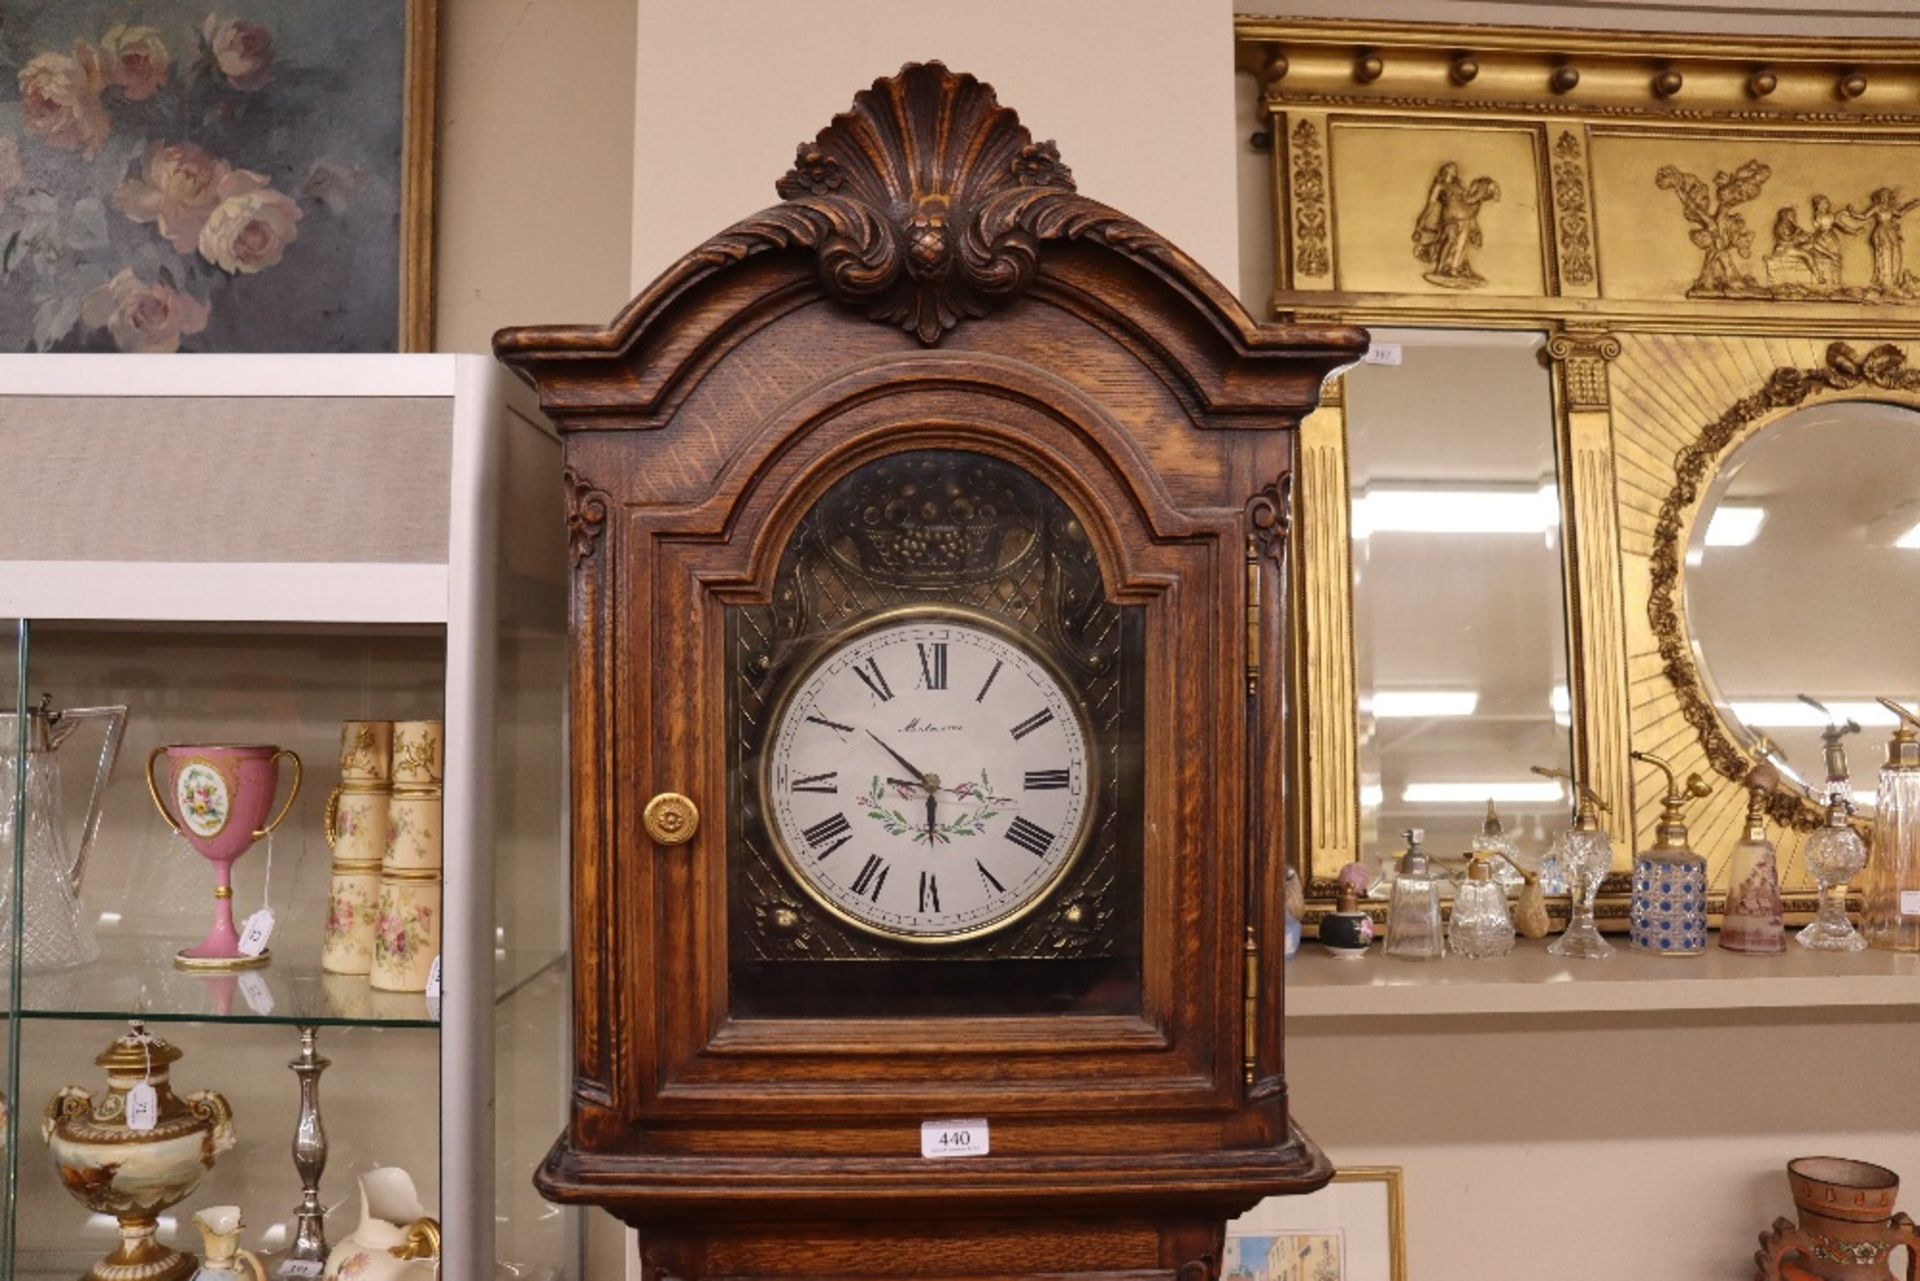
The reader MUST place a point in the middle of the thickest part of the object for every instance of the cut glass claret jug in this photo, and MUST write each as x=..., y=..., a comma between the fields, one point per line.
x=58, y=929
x=1585, y=856
x=1834, y=852
x=1413, y=909
x=1669, y=911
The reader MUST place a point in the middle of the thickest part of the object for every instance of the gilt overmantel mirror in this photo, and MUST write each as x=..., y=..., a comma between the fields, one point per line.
x=1641, y=271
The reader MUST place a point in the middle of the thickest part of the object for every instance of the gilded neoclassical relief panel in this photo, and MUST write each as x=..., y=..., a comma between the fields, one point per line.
x=1759, y=218
x=1712, y=234
x=1451, y=211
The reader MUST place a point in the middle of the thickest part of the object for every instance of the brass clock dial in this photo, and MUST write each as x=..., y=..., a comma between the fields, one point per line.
x=929, y=777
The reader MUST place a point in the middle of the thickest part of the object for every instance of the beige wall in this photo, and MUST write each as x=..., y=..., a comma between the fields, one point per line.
x=1136, y=92
x=534, y=212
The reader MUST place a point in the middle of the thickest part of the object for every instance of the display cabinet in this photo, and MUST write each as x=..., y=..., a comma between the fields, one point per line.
x=252, y=550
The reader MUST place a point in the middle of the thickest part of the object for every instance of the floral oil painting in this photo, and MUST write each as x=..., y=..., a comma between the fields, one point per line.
x=207, y=177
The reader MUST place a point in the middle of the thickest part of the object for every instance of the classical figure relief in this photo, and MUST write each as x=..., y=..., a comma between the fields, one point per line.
x=1805, y=260
x=1448, y=229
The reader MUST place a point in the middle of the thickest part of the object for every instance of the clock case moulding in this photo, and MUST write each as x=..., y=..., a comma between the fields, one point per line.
x=930, y=281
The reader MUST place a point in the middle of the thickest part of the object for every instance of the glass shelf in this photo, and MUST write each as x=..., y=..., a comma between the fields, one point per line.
x=136, y=978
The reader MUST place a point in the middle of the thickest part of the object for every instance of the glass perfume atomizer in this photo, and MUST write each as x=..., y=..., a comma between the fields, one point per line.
x=1584, y=855
x=1753, y=922
x=1833, y=852
x=1669, y=912
x=1413, y=906
x=1892, y=916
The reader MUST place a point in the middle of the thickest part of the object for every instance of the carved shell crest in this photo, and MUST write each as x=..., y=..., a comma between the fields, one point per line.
x=926, y=202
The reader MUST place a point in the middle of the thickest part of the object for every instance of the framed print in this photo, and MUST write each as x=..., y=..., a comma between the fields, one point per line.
x=1351, y=1230
x=216, y=175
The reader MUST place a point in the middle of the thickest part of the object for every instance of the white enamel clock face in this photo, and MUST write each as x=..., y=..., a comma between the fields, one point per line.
x=929, y=779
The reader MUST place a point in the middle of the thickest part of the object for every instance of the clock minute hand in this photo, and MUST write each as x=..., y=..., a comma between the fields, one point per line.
x=905, y=764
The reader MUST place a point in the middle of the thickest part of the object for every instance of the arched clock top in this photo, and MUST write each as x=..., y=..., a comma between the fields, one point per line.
x=925, y=206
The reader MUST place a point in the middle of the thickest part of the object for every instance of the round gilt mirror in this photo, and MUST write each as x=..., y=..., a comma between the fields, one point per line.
x=1802, y=577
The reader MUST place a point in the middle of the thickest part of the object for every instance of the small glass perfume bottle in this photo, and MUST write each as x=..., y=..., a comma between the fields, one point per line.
x=1752, y=922
x=1347, y=931
x=1494, y=844
x=1585, y=856
x=1480, y=926
x=1669, y=911
x=1834, y=854
x=1892, y=917
x=1413, y=910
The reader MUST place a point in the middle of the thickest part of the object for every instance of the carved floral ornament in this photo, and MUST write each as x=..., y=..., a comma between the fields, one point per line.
x=927, y=204
x=1845, y=370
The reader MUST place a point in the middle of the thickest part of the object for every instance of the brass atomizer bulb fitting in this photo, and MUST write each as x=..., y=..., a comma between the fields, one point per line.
x=1903, y=749
x=1670, y=834
x=1833, y=740
x=1761, y=782
x=1586, y=816
x=1491, y=825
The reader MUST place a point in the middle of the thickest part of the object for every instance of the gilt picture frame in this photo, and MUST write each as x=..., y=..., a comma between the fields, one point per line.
x=1354, y=1229
x=243, y=176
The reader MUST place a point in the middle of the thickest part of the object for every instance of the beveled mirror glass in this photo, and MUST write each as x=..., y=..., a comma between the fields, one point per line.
x=1803, y=577
x=1460, y=638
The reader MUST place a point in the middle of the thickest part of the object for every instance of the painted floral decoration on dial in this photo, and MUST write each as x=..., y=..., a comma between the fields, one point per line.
x=929, y=777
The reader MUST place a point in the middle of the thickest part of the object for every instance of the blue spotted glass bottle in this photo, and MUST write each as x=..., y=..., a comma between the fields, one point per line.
x=1669, y=914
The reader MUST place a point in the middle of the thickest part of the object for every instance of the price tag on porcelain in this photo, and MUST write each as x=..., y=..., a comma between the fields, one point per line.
x=254, y=990
x=143, y=1107
x=939, y=1139
x=302, y=1268
x=433, y=981
x=1910, y=902
x=253, y=939
x=1382, y=353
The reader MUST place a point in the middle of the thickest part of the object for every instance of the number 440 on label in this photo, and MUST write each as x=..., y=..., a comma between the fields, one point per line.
x=953, y=1138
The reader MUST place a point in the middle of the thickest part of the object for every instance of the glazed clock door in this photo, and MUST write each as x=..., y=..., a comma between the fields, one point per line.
x=935, y=772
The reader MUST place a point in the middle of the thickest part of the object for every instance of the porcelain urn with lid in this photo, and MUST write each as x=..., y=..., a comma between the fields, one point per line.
x=120, y=1165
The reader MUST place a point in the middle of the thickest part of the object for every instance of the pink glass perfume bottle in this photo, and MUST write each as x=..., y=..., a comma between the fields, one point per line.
x=1753, y=921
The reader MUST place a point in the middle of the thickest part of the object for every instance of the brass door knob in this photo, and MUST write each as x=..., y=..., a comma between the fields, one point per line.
x=671, y=818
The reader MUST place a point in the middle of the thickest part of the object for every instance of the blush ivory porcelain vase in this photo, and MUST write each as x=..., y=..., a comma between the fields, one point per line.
x=135, y=1175
x=395, y=1240
x=1847, y=1225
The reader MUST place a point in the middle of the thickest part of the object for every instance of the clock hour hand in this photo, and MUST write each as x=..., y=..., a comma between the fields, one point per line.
x=932, y=804
x=905, y=764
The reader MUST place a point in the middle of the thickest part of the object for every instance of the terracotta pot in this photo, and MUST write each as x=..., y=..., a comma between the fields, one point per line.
x=1847, y=1225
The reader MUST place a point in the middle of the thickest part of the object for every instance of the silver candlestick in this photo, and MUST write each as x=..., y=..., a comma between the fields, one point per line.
x=309, y=1154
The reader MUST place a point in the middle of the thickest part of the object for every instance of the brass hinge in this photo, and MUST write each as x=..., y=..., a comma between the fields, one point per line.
x=1253, y=618
x=1249, y=1057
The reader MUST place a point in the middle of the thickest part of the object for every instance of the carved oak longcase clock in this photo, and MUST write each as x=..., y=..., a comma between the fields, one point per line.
x=929, y=706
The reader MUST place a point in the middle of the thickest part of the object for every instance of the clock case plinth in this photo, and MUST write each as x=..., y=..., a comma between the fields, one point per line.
x=931, y=281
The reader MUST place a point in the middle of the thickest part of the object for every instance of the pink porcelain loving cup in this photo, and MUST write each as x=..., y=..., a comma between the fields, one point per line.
x=217, y=797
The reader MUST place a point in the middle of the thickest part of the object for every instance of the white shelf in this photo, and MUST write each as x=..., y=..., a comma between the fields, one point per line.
x=1531, y=982
x=225, y=592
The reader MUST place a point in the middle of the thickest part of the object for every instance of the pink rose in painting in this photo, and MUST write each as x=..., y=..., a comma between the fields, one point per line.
x=60, y=97
x=179, y=186
x=249, y=232
x=143, y=317
x=136, y=61
x=12, y=174
x=242, y=50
